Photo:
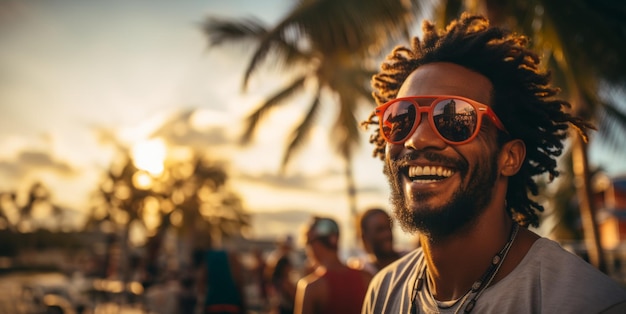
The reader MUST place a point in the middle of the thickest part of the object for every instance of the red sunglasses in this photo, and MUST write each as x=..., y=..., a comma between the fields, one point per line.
x=455, y=119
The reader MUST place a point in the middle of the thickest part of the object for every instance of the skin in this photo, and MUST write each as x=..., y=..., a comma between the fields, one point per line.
x=459, y=252
x=311, y=294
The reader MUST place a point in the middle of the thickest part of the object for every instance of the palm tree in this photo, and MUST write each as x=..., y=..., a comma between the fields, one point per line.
x=583, y=43
x=38, y=195
x=195, y=191
x=330, y=44
x=559, y=28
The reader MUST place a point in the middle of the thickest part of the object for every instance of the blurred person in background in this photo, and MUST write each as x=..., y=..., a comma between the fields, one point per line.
x=332, y=287
x=187, y=296
x=279, y=276
x=258, y=272
x=376, y=234
x=162, y=296
x=220, y=281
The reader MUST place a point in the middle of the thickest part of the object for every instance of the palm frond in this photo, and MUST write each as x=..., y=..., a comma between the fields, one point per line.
x=251, y=31
x=302, y=131
x=219, y=31
x=355, y=26
x=285, y=52
x=612, y=127
x=255, y=117
x=604, y=43
x=346, y=127
x=359, y=82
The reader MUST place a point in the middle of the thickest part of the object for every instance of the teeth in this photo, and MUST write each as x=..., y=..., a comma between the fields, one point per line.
x=415, y=171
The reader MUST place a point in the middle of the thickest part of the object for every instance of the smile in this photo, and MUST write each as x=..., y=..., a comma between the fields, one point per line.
x=427, y=174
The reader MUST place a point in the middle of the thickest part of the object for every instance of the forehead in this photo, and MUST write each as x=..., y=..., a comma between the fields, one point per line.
x=443, y=78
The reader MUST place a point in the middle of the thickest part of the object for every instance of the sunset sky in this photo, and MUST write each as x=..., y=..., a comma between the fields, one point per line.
x=74, y=73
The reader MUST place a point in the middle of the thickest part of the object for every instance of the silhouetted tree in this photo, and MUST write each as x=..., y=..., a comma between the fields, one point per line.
x=190, y=196
x=37, y=196
x=330, y=45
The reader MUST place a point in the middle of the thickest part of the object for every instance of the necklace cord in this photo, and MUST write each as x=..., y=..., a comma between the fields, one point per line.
x=479, y=286
x=500, y=256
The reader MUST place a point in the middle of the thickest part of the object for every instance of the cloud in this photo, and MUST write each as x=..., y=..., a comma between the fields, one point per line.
x=179, y=130
x=295, y=216
x=292, y=181
x=27, y=161
x=279, y=223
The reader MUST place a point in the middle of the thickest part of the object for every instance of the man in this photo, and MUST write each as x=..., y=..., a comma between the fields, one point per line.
x=466, y=119
x=375, y=230
x=332, y=287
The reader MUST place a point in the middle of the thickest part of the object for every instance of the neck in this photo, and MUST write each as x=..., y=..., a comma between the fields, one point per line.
x=455, y=263
x=330, y=261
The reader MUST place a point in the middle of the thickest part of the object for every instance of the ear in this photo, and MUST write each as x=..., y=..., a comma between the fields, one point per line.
x=512, y=157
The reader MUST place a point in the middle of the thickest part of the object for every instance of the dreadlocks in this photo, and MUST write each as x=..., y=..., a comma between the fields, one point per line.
x=522, y=96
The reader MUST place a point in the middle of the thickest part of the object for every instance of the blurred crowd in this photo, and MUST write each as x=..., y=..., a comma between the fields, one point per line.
x=286, y=279
x=314, y=275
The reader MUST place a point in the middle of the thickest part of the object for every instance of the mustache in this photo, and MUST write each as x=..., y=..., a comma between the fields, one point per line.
x=430, y=156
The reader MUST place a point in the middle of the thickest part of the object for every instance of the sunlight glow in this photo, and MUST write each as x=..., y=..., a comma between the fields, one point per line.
x=149, y=155
x=177, y=218
x=151, y=216
x=142, y=180
x=137, y=234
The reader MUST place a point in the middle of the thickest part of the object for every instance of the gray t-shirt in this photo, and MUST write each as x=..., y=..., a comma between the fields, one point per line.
x=548, y=280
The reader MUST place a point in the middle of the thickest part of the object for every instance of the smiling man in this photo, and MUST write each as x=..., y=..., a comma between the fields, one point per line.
x=465, y=119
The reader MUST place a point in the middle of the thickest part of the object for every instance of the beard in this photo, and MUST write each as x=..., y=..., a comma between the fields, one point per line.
x=463, y=209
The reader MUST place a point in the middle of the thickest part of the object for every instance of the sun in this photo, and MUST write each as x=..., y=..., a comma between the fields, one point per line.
x=149, y=155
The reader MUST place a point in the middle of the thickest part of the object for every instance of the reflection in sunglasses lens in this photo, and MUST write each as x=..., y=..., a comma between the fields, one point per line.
x=455, y=119
x=398, y=120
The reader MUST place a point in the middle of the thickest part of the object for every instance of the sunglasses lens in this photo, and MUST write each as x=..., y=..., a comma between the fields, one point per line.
x=398, y=120
x=455, y=119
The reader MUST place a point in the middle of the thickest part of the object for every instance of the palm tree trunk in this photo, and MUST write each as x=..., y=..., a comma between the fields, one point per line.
x=351, y=190
x=587, y=208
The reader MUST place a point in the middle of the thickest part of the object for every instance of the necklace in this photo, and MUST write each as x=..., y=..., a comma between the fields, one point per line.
x=479, y=285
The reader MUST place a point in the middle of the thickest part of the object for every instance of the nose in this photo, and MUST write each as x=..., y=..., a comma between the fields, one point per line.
x=424, y=136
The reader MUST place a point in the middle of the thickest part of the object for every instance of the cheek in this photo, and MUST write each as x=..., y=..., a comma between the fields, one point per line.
x=481, y=155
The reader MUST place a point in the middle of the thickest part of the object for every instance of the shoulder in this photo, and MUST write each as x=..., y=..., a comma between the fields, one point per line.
x=550, y=257
x=554, y=265
x=390, y=289
x=552, y=280
x=310, y=281
x=398, y=272
x=312, y=285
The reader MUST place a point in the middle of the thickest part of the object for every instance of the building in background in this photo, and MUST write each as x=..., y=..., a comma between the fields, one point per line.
x=611, y=218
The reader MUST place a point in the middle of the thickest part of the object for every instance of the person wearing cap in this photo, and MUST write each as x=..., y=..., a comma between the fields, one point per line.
x=332, y=287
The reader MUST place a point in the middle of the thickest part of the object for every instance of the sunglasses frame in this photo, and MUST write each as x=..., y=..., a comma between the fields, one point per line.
x=480, y=108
